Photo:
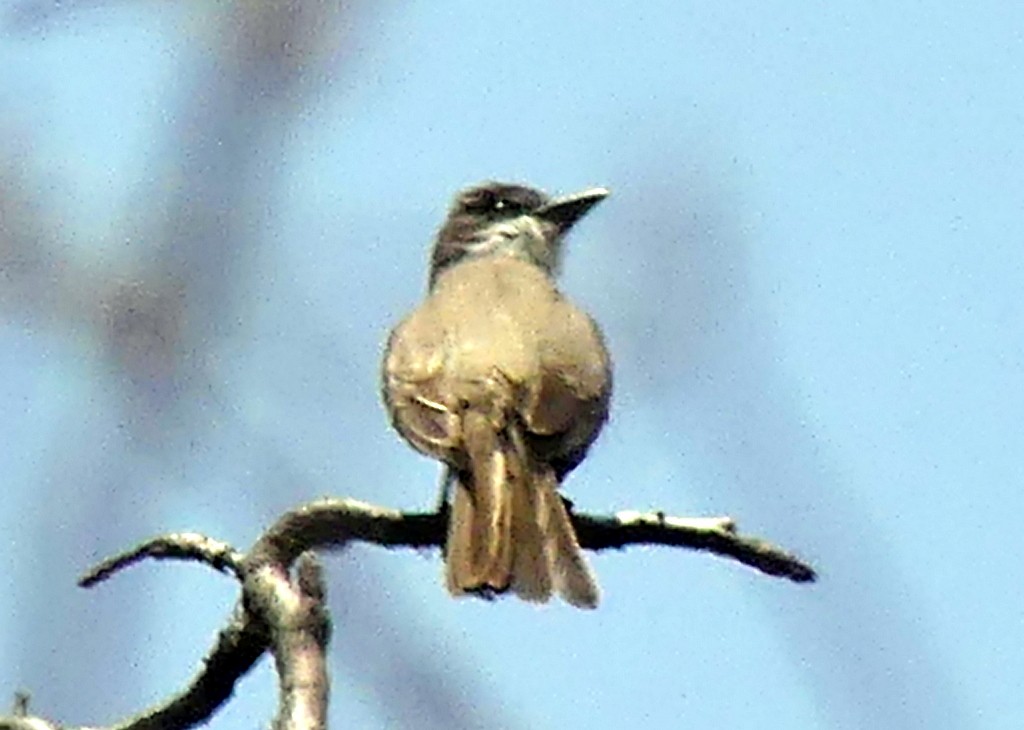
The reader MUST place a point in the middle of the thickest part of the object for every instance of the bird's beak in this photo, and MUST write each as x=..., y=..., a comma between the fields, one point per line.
x=566, y=210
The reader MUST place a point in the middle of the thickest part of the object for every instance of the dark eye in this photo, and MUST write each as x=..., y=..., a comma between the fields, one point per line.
x=490, y=203
x=506, y=206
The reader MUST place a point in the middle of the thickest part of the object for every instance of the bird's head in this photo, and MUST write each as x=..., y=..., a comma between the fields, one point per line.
x=502, y=219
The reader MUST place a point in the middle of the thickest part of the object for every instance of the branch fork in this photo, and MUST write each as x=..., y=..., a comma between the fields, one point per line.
x=283, y=609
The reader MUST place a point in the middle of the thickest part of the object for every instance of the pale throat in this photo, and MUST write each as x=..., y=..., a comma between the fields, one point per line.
x=522, y=238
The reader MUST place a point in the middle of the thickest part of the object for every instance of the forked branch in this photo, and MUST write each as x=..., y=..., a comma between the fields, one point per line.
x=283, y=610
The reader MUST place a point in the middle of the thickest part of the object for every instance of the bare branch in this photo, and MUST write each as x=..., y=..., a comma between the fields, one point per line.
x=28, y=723
x=287, y=615
x=239, y=646
x=176, y=546
x=716, y=535
x=333, y=522
x=294, y=610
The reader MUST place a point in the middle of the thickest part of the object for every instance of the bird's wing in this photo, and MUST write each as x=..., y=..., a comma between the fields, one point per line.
x=565, y=408
x=413, y=368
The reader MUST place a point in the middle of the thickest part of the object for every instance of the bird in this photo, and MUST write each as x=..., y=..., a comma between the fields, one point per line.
x=506, y=382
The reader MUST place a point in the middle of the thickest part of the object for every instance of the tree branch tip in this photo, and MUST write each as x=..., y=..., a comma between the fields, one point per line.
x=20, y=718
x=21, y=702
x=178, y=546
x=803, y=573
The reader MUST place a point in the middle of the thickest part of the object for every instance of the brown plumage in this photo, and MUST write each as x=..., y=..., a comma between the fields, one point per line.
x=500, y=377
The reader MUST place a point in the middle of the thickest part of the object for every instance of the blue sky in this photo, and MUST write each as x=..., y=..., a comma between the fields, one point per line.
x=809, y=274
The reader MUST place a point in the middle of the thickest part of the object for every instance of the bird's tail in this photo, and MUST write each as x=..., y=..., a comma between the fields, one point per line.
x=508, y=527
